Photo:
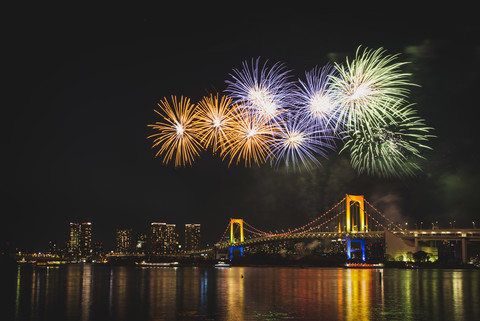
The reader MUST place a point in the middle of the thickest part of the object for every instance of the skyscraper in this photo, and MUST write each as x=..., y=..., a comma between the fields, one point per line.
x=157, y=239
x=171, y=240
x=192, y=237
x=124, y=241
x=164, y=239
x=140, y=243
x=80, y=244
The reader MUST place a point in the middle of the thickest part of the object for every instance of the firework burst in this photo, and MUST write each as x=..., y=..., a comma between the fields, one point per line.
x=215, y=121
x=297, y=145
x=264, y=90
x=177, y=134
x=392, y=150
x=250, y=138
x=365, y=86
x=314, y=100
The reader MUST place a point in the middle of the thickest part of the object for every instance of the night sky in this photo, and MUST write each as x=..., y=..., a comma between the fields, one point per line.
x=83, y=86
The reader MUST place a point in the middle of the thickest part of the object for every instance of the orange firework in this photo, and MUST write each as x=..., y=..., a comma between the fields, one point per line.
x=177, y=134
x=215, y=121
x=250, y=139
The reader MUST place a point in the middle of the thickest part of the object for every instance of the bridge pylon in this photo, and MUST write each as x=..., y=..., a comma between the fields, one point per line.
x=239, y=223
x=355, y=223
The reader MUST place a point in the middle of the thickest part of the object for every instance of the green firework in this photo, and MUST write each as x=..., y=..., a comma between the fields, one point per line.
x=392, y=150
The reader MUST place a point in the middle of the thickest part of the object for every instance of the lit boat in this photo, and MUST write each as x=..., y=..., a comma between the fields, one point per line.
x=157, y=264
x=364, y=265
x=222, y=264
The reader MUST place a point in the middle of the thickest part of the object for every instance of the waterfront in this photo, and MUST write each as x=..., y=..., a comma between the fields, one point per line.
x=96, y=292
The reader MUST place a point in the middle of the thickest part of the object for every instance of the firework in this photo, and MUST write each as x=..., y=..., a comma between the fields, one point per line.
x=297, y=144
x=176, y=135
x=250, y=138
x=215, y=121
x=314, y=99
x=264, y=90
x=365, y=86
x=391, y=150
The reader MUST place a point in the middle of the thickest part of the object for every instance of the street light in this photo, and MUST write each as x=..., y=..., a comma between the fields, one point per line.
x=473, y=224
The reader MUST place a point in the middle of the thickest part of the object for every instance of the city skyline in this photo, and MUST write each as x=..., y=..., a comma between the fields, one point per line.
x=84, y=92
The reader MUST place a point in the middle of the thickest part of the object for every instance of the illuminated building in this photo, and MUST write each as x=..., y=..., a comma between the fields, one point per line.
x=157, y=237
x=163, y=239
x=52, y=248
x=124, y=241
x=80, y=244
x=192, y=237
x=140, y=243
x=171, y=242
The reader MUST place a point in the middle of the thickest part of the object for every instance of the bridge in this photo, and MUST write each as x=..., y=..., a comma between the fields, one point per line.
x=352, y=220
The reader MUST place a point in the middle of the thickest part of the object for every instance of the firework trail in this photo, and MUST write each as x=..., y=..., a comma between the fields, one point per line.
x=177, y=134
x=365, y=86
x=215, y=121
x=297, y=144
x=391, y=150
x=264, y=90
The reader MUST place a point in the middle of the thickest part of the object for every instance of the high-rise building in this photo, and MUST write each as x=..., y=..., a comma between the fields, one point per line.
x=140, y=243
x=192, y=237
x=80, y=244
x=124, y=241
x=163, y=239
x=157, y=238
x=171, y=240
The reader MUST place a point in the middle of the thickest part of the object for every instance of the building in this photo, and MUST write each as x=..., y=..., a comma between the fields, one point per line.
x=124, y=241
x=164, y=239
x=158, y=232
x=140, y=243
x=80, y=241
x=192, y=237
x=171, y=241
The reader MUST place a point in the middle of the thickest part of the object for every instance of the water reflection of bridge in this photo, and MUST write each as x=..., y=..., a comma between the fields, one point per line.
x=353, y=219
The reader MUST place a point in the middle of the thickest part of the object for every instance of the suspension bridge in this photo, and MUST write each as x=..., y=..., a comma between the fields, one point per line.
x=353, y=220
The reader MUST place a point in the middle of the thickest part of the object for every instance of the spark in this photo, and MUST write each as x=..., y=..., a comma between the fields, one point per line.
x=176, y=133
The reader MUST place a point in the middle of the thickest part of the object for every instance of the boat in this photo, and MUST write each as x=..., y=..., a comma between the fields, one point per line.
x=364, y=265
x=157, y=264
x=222, y=264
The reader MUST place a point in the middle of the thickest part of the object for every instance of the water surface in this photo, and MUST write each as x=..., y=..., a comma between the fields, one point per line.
x=96, y=292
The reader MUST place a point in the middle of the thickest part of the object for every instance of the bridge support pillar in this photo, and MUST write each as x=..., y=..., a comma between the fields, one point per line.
x=464, y=250
x=233, y=248
x=349, y=248
x=416, y=245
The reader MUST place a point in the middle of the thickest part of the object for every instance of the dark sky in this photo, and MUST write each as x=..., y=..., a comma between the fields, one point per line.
x=83, y=84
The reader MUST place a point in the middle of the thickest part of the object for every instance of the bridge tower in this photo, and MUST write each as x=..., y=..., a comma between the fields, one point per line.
x=239, y=223
x=232, y=248
x=355, y=223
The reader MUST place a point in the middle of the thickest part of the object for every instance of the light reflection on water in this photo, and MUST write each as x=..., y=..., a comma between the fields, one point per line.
x=93, y=292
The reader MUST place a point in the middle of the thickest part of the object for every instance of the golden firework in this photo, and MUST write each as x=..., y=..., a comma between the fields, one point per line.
x=250, y=138
x=177, y=134
x=215, y=121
